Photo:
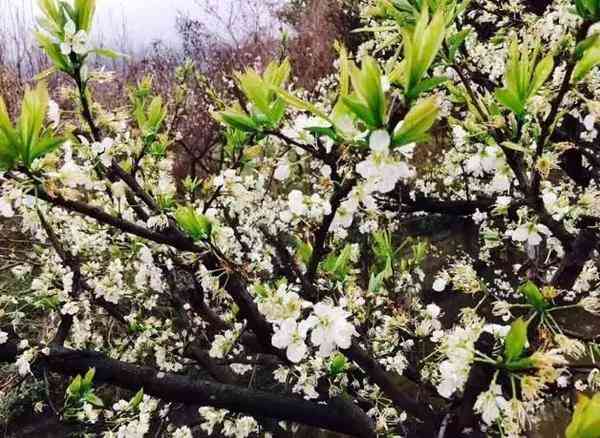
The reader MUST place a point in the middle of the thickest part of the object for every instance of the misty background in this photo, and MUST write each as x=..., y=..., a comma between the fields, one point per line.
x=132, y=26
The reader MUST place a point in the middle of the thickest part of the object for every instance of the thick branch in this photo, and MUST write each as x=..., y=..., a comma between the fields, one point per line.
x=573, y=262
x=391, y=388
x=321, y=235
x=175, y=388
x=176, y=241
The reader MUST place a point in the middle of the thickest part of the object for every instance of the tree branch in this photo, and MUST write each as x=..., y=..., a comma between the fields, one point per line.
x=170, y=387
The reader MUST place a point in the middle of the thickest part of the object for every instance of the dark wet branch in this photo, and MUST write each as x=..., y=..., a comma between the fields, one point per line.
x=336, y=415
x=574, y=260
x=319, y=248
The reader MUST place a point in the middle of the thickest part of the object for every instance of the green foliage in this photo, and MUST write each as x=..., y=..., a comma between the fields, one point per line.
x=195, y=225
x=83, y=14
x=149, y=111
x=588, y=9
x=237, y=118
x=524, y=75
x=344, y=63
x=455, y=41
x=266, y=105
x=235, y=141
x=79, y=392
x=47, y=302
x=421, y=45
x=515, y=341
x=28, y=140
x=337, y=265
x=588, y=56
x=60, y=22
x=407, y=12
x=368, y=101
x=52, y=49
x=338, y=364
x=108, y=53
x=534, y=296
x=416, y=123
x=54, y=18
x=388, y=258
x=134, y=403
x=340, y=113
x=304, y=251
x=585, y=422
x=383, y=248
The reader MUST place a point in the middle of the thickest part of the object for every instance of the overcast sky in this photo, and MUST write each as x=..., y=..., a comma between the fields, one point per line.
x=146, y=20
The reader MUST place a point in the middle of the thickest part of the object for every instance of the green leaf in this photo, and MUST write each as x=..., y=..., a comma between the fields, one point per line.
x=588, y=9
x=88, y=378
x=277, y=74
x=375, y=282
x=541, y=74
x=533, y=295
x=33, y=112
x=421, y=45
x=588, y=61
x=49, y=302
x=367, y=85
x=51, y=10
x=514, y=146
x=137, y=399
x=344, y=77
x=524, y=75
x=195, y=225
x=70, y=11
x=292, y=100
x=42, y=76
x=43, y=147
x=382, y=245
x=431, y=41
x=94, y=400
x=253, y=88
x=304, y=251
x=108, y=53
x=7, y=158
x=338, y=364
x=417, y=122
x=277, y=111
x=455, y=41
x=577, y=418
x=507, y=98
x=84, y=11
x=515, y=340
x=338, y=265
x=372, y=82
x=74, y=387
x=61, y=62
x=5, y=122
x=426, y=85
x=585, y=422
x=586, y=44
x=360, y=110
x=237, y=120
x=156, y=114
x=8, y=139
x=261, y=92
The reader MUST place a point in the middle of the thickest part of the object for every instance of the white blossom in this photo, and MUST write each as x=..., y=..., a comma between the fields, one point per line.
x=291, y=336
x=330, y=328
x=74, y=41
